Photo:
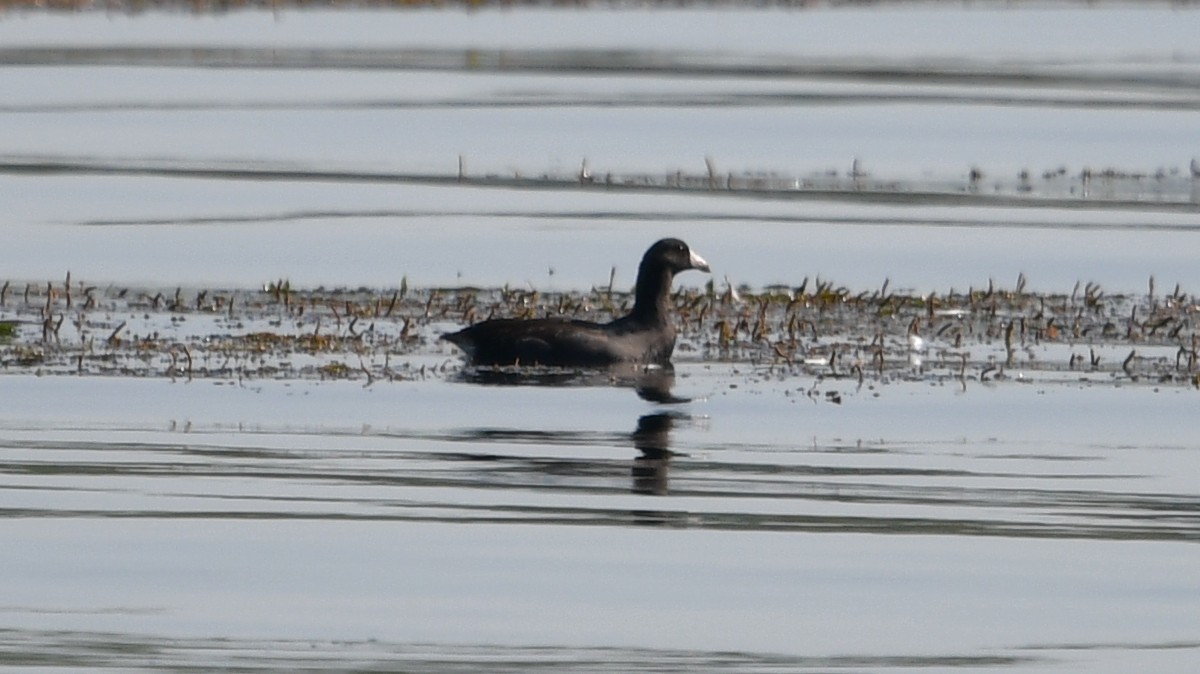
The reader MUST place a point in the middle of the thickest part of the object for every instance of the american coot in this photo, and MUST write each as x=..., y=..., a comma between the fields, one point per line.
x=645, y=336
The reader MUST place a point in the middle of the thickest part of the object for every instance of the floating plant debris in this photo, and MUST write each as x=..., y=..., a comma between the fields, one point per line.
x=1164, y=189
x=815, y=328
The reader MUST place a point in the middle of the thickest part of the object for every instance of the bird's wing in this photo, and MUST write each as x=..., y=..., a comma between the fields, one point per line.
x=554, y=342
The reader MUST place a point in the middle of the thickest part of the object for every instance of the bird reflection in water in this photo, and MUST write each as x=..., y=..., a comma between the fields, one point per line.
x=653, y=384
x=652, y=437
x=651, y=468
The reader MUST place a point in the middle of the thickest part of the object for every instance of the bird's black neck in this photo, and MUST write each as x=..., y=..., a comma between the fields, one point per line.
x=652, y=296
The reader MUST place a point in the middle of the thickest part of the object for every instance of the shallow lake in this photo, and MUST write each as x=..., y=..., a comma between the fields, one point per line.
x=780, y=519
x=354, y=147
x=426, y=525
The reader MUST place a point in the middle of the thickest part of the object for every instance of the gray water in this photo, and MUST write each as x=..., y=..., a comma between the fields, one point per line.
x=353, y=147
x=305, y=524
x=781, y=520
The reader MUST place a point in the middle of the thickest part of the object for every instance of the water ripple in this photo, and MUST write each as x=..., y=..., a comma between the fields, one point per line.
x=540, y=478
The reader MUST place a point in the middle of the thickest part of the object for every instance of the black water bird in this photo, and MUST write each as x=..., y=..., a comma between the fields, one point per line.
x=645, y=336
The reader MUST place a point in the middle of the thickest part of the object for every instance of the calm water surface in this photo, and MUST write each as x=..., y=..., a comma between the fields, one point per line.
x=308, y=145
x=431, y=524
x=778, y=521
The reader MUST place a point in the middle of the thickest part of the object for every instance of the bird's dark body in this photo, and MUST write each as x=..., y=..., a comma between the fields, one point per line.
x=645, y=336
x=561, y=342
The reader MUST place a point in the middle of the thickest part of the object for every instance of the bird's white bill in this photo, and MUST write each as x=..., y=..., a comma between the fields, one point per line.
x=697, y=262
